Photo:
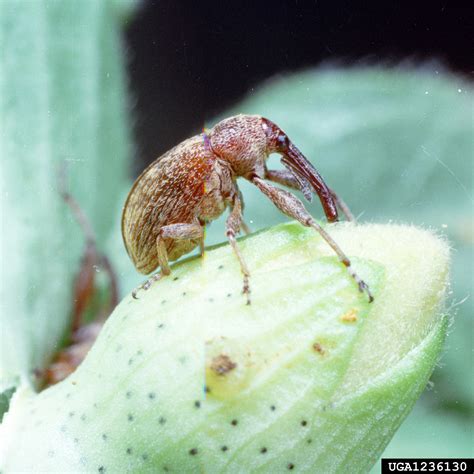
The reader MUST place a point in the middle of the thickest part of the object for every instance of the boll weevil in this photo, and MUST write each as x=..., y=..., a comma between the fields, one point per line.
x=167, y=209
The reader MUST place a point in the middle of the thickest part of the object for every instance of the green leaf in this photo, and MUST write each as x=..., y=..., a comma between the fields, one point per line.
x=309, y=375
x=61, y=100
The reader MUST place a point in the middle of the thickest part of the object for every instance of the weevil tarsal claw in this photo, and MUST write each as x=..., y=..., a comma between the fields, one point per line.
x=247, y=295
x=246, y=290
x=364, y=288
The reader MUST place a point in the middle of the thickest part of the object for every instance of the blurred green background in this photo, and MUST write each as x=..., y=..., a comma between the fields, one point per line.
x=395, y=142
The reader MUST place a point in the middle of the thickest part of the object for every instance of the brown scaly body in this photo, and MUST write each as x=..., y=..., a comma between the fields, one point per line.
x=193, y=183
x=169, y=191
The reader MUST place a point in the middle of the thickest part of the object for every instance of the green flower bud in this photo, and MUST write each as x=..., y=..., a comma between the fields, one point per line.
x=310, y=377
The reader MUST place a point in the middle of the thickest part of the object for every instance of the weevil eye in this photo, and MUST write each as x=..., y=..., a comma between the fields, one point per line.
x=283, y=142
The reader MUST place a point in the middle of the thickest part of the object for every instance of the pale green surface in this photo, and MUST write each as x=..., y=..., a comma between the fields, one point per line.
x=150, y=362
x=61, y=101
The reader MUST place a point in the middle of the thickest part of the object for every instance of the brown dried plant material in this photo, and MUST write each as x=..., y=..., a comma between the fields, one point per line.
x=349, y=317
x=222, y=364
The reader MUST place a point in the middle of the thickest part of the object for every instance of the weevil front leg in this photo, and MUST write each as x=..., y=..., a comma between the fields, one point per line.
x=243, y=225
x=341, y=204
x=175, y=232
x=288, y=179
x=233, y=225
x=293, y=207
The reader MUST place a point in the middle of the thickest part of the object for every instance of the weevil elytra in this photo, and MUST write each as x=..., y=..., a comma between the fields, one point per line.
x=193, y=183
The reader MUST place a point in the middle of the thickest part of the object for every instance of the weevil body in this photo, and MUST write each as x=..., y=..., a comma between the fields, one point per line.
x=192, y=184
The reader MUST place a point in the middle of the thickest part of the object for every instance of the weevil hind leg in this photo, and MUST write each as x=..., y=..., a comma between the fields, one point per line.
x=293, y=207
x=233, y=225
x=177, y=232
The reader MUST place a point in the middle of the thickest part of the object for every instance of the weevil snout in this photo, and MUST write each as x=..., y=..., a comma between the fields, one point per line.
x=303, y=171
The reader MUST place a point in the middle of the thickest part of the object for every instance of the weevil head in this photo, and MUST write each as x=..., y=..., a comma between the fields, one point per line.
x=304, y=172
x=276, y=138
x=246, y=141
x=241, y=141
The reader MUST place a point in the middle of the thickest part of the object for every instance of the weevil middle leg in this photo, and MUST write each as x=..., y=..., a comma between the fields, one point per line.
x=176, y=232
x=233, y=225
x=293, y=207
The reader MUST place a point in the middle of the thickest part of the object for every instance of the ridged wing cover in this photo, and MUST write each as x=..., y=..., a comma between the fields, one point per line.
x=169, y=191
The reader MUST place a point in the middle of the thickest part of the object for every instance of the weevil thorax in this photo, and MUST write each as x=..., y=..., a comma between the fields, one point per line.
x=241, y=141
